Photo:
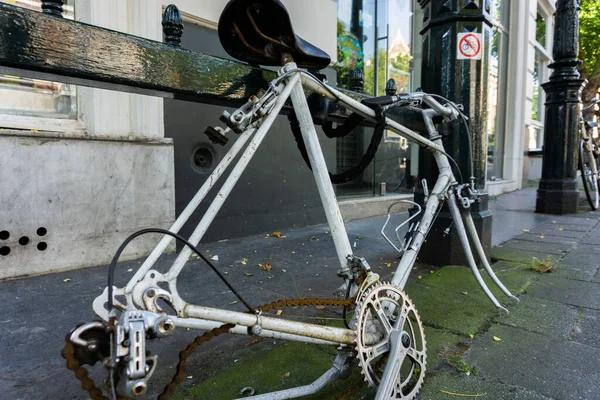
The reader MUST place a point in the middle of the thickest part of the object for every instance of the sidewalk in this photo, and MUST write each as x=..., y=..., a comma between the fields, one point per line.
x=549, y=345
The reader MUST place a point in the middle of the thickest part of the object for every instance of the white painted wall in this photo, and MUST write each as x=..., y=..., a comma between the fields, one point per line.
x=519, y=91
x=108, y=113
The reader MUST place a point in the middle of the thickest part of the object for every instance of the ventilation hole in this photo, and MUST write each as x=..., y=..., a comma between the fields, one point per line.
x=23, y=240
x=4, y=251
x=42, y=246
x=4, y=235
x=42, y=231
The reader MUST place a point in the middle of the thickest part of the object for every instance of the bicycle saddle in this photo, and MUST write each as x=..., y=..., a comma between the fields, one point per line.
x=590, y=124
x=260, y=32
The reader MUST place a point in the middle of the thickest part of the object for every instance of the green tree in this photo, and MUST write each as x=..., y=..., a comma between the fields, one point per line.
x=589, y=47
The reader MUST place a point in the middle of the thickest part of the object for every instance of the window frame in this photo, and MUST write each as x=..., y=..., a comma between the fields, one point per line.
x=46, y=124
x=543, y=55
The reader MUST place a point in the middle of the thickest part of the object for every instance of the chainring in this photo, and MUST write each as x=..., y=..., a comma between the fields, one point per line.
x=375, y=323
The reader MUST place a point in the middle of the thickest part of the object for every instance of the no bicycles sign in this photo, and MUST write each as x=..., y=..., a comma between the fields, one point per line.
x=470, y=46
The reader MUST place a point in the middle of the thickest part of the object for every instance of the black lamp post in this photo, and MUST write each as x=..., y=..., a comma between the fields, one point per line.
x=464, y=81
x=557, y=193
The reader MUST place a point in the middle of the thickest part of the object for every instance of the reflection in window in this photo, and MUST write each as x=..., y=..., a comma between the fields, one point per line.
x=376, y=37
x=32, y=97
x=497, y=85
x=540, y=29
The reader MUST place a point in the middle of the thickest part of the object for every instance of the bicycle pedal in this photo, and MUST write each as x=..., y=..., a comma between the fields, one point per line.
x=216, y=136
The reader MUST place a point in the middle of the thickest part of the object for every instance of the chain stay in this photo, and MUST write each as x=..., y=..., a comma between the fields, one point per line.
x=95, y=393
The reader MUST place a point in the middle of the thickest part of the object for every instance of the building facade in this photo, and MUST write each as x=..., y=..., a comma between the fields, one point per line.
x=83, y=168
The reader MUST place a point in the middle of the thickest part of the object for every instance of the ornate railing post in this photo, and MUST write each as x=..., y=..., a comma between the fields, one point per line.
x=356, y=80
x=456, y=41
x=53, y=7
x=172, y=24
x=557, y=193
x=390, y=87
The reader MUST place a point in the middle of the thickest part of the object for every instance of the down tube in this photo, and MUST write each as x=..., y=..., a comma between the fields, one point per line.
x=440, y=190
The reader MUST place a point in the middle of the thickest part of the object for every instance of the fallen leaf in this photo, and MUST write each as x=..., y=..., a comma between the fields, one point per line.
x=207, y=251
x=190, y=377
x=215, y=258
x=496, y=339
x=67, y=280
x=359, y=237
x=560, y=228
x=130, y=269
x=225, y=273
x=224, y=240
x=465, y=293
x=279, y=312
x=541, y=236
x=276, y=234
x=420, y=277
x=313, y=238
x=525, y=230
x=284, y=270
x=257, y=340
x=286, y=375
x=471, y=336
x=139, y=262
x=381, y=268
x=389, y=265
x=320, y=307
x=293, y=252
x=431, y=272
x=233, y=302
x=248, y=273
x=244, y=262
x=270, y=277
x=267, y=266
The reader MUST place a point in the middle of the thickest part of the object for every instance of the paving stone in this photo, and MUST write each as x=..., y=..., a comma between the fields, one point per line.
x=582, y=263
x=592, y=238
x=547, y=238
x=541, y=247
x=520, y=256
x=438, y=339
x=585, y=220
x=541, y=316
x=566, y=291
x=450, y=310
x=587, y=327
x=554, y=229
x=286, y=366
x=460, y=280
x=438, y=385
x=551, y=367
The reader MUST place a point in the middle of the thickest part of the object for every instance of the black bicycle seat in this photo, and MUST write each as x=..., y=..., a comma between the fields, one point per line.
x=260, y=32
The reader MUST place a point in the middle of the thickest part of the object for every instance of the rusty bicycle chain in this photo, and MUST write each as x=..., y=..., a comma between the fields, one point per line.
x=95, y=393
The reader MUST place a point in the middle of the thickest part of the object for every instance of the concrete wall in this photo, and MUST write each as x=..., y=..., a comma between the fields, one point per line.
x=87, y=194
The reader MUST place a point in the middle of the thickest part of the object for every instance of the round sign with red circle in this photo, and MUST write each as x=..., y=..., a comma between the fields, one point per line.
x=469, y=46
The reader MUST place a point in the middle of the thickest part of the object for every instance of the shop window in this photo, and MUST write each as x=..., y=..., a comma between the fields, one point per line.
x=377, y=36
x=497, y=87
x=24, y=97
